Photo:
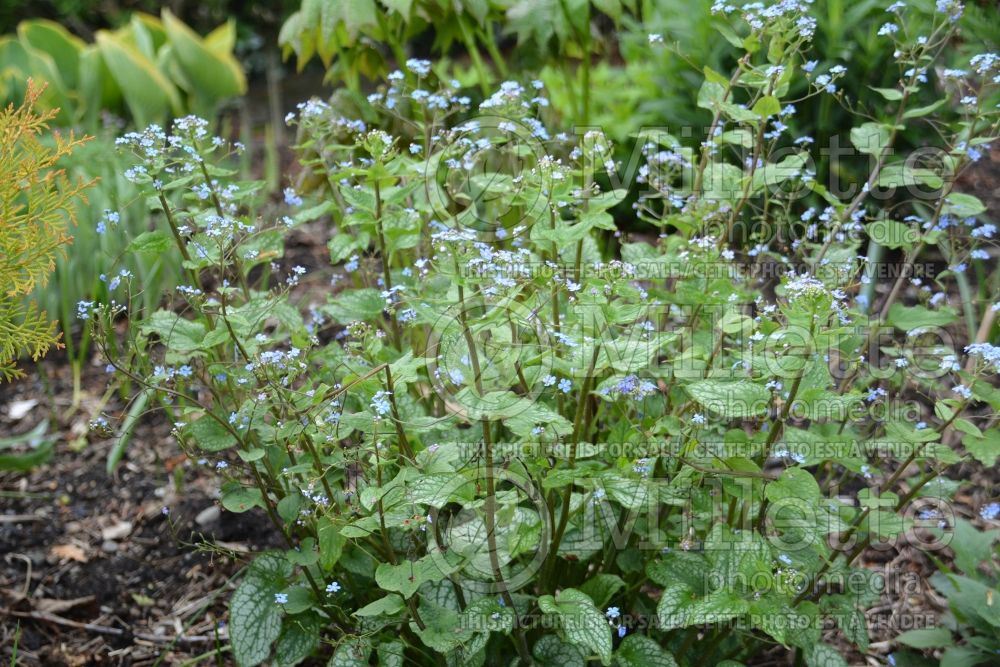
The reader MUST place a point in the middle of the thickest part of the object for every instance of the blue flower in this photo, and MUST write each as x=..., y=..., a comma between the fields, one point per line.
x=565, y=386
x=380, y=403
x=280, y=598
x=333, y=587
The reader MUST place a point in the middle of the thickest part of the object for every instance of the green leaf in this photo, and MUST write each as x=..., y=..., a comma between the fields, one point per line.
x=641, y=651
x=351, y=653
x=550, y=651
x=582, y=623
x=890, y=94
x=208, y=434
x=238, y=498
x=767, y=106
x=972, y=546
x=908, y=318
x=963, y=205
x=984, y=449
x=731, y=400
x=391, y=654
x=389, y=605
x=487, y=614
x=151, y=243
x=39, y=443
x=899, y=175
x=794, y=483
x=601, y=588
x=331, y=543
x=355, y=305
x=710, y=95
x=870, y=138
x=254, y=617
x=926, y=638
x=408, y=576
x=892, y=234
x=824, y=655
x=920, y=112
x=354, y=15
x=775, y=173
x=177, y=333
x=443, y=628
x=300, y=599
x=299, y=638
x=672, y=609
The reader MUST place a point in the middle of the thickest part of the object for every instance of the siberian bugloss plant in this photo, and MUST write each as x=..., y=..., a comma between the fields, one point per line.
x=505, y=431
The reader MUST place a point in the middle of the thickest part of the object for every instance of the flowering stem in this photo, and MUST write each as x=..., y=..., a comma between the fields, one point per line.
x=490, y=504
x=195, y=279
x=386, y=268
x=411, y=603
x=581, y=407
x=404, y=443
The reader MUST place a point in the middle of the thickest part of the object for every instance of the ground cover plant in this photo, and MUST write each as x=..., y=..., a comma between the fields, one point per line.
x=569, y=395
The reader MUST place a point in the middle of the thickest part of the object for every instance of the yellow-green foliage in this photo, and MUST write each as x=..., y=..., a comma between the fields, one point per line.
x=36, y=208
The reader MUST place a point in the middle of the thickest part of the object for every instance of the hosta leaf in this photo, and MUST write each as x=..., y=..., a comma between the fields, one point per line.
x=213, y=74
x=149, y=94
x=52, y=38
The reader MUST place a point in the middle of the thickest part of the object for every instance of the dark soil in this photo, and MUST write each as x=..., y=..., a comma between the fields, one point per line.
x=70, y=556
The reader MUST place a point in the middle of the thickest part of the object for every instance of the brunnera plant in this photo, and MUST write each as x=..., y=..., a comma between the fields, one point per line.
x=504, y=431
x=36, y=207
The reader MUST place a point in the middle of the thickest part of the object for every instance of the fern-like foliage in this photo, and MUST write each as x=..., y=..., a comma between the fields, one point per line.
x=36, y=209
